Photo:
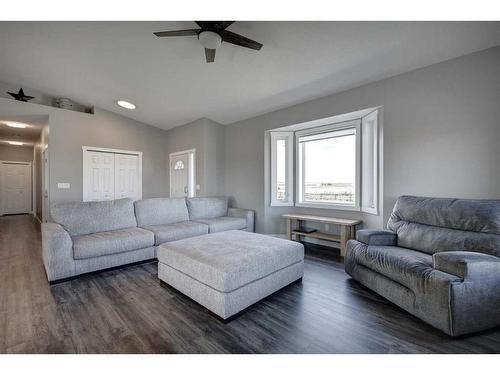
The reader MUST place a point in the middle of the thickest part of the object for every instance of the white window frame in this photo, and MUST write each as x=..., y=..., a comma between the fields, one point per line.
x=299, y=163
x=370, y=161
x=288, y=138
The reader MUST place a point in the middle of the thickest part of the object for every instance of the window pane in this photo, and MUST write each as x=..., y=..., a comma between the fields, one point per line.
x=281, y=170
x=330, y=170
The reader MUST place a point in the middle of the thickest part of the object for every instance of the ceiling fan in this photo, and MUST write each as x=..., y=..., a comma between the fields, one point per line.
x=211, y=34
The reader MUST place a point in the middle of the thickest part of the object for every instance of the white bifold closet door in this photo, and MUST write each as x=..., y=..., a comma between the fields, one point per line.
x=110, y=176
x=126, y=176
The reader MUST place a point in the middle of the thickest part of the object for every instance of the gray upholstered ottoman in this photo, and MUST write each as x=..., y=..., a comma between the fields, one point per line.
x=229, y=271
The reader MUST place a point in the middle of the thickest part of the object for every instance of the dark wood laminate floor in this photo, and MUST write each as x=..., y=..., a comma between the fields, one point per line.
x=127, y=311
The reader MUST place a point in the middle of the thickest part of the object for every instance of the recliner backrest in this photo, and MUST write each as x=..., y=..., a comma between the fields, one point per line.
x=433, y=225
x=160, y=211
x=79, y=218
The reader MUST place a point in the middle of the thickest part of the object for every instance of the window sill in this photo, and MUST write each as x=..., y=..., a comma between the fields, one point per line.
x=325, y=206
x=281, y=204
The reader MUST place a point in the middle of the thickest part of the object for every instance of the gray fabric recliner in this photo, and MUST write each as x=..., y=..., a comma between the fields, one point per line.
x=439, y=260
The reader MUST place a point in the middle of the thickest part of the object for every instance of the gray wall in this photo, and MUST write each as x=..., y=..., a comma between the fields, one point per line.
x=16, y=153
x=207, y=137
x=214, y=158
x=441, y=136
x=70, y=130
x=41, y=144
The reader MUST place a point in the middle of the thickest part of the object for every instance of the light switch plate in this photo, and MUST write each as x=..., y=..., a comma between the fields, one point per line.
x=198, y=187
x=63, y=185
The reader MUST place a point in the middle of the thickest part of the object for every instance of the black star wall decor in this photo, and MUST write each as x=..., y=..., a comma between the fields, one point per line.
x=20, y=96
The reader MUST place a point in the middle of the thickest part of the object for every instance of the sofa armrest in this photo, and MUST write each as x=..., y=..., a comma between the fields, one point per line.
x=377, y=237
x=57, y=252
x=248, y=215
x=467, y=265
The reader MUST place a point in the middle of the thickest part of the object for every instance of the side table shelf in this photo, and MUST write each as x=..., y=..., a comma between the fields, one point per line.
x=347, y=229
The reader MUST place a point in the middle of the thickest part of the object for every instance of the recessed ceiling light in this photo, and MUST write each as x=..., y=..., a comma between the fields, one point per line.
x=15, y=124
x=125, y=104
x=15, y=143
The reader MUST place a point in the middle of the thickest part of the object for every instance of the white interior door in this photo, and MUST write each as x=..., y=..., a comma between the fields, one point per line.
x=126, y=176
x=16, y=188
x=100, y=176
x=179, y=175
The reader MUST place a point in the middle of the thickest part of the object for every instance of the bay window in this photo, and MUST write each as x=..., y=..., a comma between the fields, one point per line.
x=333, y=163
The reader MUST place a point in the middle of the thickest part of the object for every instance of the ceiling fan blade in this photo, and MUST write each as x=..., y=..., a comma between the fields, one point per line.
x=214, y=25
x=210, y=55
x=188, y=32
x=239, y=40
x=225, y=24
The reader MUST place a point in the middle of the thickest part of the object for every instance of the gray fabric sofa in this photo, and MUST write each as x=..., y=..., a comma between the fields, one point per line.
x=439, y=260
x=91, y=236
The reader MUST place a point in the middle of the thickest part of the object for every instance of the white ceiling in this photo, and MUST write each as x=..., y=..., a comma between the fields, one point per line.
x=168, y=79
x=29, y=135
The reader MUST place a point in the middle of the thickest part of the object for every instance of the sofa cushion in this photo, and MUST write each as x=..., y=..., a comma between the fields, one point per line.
x=207, y=207
x=177, y=231
x=159, y=211
x=81, y=218
x=407, y=267
x=441, y=224
x=111, y=242
x=229, y=260
x=221, y=224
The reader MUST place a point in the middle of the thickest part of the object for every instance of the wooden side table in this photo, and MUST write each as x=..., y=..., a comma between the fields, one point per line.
x=347, y=229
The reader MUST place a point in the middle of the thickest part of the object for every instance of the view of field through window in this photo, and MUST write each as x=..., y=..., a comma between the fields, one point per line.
x=330, y=170
x=281, y=193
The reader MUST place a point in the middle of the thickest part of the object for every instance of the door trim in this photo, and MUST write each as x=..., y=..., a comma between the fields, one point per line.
x=192, y=172
x=30, y=164
x=45, y=183
x=111, y=151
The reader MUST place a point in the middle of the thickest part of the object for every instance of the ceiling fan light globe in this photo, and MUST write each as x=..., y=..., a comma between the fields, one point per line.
x=209, y=39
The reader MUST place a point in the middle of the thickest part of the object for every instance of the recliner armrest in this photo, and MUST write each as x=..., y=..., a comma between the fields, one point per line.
x=377, y=237
x=248, y=215
x=467, y=265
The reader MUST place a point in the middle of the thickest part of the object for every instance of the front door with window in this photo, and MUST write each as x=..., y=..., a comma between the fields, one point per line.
x=182, y=174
